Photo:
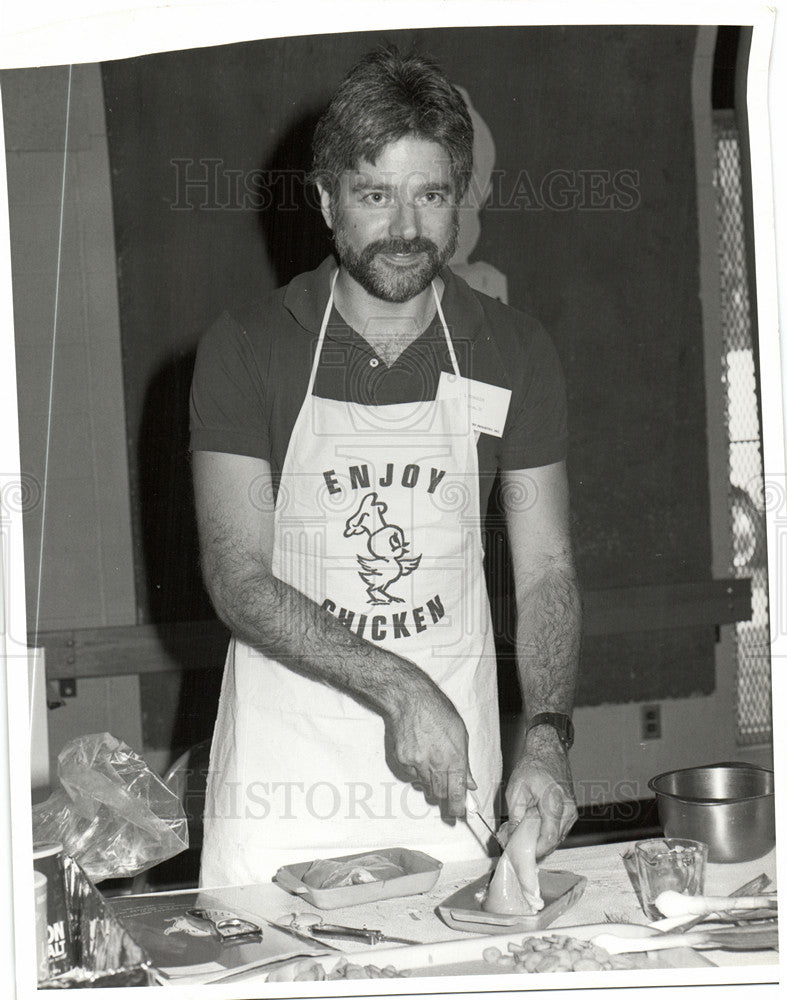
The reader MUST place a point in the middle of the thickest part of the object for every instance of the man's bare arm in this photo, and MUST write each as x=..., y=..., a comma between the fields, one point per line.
x=234, y=504
x=547, y=640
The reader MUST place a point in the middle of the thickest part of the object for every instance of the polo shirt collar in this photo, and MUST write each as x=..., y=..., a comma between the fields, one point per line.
x=306, y=296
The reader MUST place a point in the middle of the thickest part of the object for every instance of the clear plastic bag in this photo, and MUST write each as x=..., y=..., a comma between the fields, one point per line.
x=333, y=874
x=111, y=813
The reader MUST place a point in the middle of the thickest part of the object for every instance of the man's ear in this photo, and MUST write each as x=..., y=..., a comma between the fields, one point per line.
x=325, y=205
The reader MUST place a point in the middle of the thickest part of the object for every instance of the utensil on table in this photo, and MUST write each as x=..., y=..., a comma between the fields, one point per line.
x=675, y=904
x=228, y=927
x=319, y=929
x=364, y=934
x=754, y=887
x=728, y=939
x=729, y=806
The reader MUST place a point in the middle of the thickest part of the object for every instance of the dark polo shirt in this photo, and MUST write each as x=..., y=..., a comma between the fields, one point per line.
x=253, y=364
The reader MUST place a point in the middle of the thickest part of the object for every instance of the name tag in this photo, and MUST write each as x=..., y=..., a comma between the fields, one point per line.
x=488, y=403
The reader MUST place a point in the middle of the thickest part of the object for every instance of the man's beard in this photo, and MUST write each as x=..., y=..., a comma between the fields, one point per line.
x=392, y=282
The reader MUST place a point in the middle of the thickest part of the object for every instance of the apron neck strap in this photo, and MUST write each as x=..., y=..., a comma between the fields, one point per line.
x=323, y=327
x=451, y=353
x=327, y=315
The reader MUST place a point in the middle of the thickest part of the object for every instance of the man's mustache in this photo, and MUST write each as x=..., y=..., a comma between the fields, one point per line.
x=417, y=245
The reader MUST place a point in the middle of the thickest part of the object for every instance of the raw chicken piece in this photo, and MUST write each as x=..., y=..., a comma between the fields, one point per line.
x=335, y=873
x=514, y=886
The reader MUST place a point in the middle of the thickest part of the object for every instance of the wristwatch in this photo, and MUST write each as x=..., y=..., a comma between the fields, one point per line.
x=559, y=722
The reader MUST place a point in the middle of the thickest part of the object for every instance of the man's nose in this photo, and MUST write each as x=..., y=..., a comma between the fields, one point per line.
x=404, y=223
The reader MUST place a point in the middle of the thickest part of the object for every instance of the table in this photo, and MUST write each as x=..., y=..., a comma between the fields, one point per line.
x=609, y=892
x=609, y=895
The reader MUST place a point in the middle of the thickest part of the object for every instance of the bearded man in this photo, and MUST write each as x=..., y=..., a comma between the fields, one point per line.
x=346, y=432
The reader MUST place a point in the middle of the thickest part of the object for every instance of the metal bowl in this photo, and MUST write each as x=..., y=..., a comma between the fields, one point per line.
x=729, y=806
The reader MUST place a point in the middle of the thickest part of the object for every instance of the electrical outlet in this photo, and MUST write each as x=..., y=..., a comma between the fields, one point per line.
x=68, y=687
x=650, y=722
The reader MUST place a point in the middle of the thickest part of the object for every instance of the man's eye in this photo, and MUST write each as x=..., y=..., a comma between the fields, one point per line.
x=374, y=197
x=434, y=197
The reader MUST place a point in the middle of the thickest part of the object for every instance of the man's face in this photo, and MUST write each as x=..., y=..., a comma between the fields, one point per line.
x=395, y=222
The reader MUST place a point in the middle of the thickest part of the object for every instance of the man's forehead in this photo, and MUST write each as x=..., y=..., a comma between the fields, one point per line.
x=431, y=170
x=409, y=151
x=361, y=179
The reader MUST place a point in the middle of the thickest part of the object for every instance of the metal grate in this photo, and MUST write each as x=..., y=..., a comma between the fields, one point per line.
x=746, y=492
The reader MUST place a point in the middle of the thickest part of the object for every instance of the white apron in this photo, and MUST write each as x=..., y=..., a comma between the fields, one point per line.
x=377, y=520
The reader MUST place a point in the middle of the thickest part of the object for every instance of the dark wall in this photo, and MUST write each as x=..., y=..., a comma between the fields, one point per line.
x=592, y=218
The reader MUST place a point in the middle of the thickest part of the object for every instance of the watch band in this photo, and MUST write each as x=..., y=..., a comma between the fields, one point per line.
x=559, y=722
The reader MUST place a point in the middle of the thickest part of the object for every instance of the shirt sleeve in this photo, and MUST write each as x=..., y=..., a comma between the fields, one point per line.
x=227, y=404
x=536, y=429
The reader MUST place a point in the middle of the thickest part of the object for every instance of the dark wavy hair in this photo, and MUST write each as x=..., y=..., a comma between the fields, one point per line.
x=385, y=96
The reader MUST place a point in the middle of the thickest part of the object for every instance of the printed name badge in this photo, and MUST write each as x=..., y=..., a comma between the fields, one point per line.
x=488, y=403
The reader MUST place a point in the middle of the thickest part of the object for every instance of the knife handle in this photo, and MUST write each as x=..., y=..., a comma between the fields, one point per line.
x=354, y=933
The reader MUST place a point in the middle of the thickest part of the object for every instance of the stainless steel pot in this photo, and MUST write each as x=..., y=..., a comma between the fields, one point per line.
x=729, y=806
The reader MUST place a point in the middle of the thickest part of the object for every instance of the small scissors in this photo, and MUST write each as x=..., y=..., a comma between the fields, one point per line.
x=229, y=927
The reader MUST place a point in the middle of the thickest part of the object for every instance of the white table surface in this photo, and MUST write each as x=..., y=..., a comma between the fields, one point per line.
x=609, y=894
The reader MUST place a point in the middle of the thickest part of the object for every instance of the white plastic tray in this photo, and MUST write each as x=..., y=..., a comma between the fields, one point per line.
x=559, y=890
x=422, y=872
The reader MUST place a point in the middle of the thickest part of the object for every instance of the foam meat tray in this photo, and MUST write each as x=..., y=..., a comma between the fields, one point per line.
x=463, y=910
x=421, y=874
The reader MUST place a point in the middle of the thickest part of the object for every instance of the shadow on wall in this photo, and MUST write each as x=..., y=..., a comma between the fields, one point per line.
x=178, y=708
x=167, y=548
x=293, y=228
x=296, y=240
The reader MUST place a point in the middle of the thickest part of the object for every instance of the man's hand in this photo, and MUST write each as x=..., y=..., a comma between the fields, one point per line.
x=429, y=741
x=542, y=781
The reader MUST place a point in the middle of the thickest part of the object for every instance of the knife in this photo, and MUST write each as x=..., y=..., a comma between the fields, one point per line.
x=366, y=935
x=479, y=826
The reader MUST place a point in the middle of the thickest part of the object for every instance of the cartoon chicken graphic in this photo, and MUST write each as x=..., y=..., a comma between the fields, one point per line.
x=387, y=560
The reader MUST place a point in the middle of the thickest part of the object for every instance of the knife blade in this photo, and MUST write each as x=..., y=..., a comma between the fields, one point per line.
x=479, y=826
x=301, y=936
